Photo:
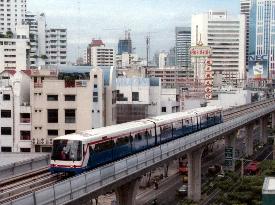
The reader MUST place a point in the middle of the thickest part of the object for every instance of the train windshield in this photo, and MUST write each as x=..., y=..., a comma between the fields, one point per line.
x=67, y=150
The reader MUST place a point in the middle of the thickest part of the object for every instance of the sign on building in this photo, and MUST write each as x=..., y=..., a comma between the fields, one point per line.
x=200, y=51
x=258, y=67
x=208, y=79
x=228, y=157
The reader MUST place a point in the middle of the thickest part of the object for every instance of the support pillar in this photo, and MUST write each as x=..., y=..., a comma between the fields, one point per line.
x=273, y=120
x=230, y=149
x=126, y=194
x=249, y=140
x=263, y=129
x=194, y=174
x=165, y=170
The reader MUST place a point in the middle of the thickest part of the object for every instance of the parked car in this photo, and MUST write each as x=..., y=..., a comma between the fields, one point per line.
x=183, y=190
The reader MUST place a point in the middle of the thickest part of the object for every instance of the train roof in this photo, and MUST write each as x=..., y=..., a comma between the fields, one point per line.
x=89, y=136
x=110, y=131
x=182, y=115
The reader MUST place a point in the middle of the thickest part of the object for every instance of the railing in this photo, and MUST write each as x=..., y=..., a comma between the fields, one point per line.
x=25, y=137
x=135, y=165
x=25, y=120
x=38, y=85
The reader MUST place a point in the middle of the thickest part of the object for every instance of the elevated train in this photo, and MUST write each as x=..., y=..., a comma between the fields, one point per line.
x=87, y=150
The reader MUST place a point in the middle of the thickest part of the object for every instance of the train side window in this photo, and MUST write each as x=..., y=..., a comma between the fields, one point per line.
x=104, y=146
x=91, y=149
x=138, y=136
x=131, y=138
x=122, y=141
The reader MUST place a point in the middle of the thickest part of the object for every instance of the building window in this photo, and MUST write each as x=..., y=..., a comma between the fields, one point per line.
x=95, y=85
x=52, y=132
x=163, y=109
x=5, y=149
x=95, y=76
x=53, y=116
x=25, y=118
x=135, y=96
x=5, y=113
x=5, y=130
x=47, y=149
x=67, y=132
x=6, y=97
x=25, y=135
x=52, y=97
x=69, y=97
x=69, y=116
x=25, y=149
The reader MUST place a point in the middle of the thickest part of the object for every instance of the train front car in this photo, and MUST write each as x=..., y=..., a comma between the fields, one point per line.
x=67, y=155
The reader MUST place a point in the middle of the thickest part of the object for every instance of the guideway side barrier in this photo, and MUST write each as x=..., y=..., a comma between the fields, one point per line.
x=120, y=172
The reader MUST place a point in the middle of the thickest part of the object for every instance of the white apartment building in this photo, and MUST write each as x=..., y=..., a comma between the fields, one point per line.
x=12, y=14
x=226, y=35
x=162, y=59
x=68, y=101
x=15, y=116
x=127, y=60
x=56, y=46
x=14, y=52
x=37, y=26
x=102, y=56
x=139, y=98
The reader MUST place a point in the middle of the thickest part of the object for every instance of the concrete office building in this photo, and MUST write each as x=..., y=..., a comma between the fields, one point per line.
x=14, y=52
x=12, y=14
x=56, y=46
x=183, y=43
x=71, y=100
x=15, y=118
x=226, y=35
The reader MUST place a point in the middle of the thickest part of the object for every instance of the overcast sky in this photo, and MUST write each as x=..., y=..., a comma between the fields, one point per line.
x=107, y=19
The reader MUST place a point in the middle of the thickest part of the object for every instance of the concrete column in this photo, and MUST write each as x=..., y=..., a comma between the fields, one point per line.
x=165, y=170
x=194, y=174
x=249, y=140
x=126, y=194
x=273, y=120
x=230, y=142
x=263, y=129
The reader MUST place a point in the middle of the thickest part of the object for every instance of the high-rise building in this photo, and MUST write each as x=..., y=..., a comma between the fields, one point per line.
x=125, y=45
x=37, y=25
x=225, y=34
x=99, y=55
x=56, y=46
x=183, y=43
x=12, y=13
x=262, y=32
x=171, y=58
x=162, y=59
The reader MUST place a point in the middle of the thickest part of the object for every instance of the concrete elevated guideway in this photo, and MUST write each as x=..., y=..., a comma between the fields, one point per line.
x=122, y=176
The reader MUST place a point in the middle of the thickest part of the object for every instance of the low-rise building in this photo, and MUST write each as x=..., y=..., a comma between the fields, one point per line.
x=139, y=98
x=15, y=122
x=70, y=100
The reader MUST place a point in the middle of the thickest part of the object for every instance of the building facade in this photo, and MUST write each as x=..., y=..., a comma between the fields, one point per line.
x=56, y=46
x=37, y=26
x=15, y=116
x=65, y=102
x=14, y=52
x=12, y=14
x=262, y=32
x=183, y=43
x=140, y=98
x=225, y=35
x=125, y=45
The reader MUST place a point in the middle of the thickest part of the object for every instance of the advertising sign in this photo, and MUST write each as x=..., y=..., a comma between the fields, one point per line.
x=208, y=78
x=258, y=67
x=200, y=51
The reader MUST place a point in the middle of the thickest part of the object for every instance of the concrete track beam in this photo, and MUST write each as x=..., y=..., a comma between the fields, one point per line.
x=126, y=194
